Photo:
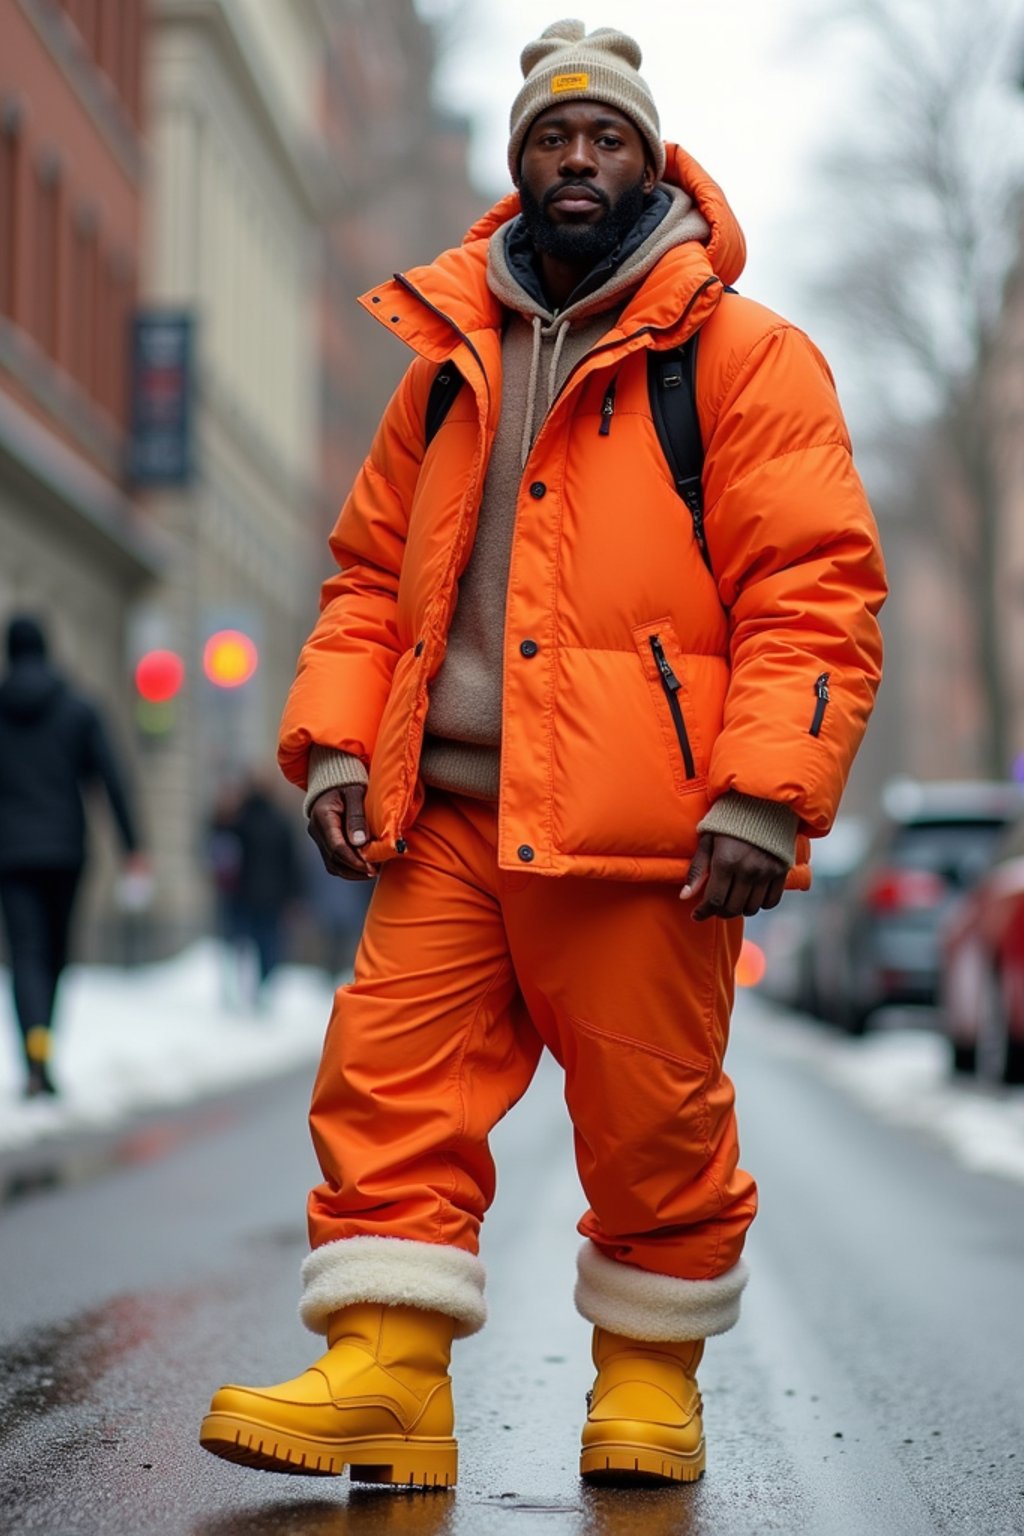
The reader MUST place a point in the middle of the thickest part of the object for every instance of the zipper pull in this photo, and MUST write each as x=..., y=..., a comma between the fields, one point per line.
x=698, y=529
x=661, y=661
x=822, y=696
x=607, y=410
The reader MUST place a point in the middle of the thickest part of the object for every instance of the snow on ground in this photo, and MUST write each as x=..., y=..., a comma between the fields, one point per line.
x=157, y=1036
x=902, y=1075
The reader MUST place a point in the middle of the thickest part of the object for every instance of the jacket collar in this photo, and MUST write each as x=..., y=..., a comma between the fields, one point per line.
x=427, y=305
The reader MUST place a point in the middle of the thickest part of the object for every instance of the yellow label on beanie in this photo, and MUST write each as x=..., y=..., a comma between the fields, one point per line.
x=563, y=83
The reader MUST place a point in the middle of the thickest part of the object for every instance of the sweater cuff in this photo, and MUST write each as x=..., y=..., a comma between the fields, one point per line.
x=765, y=823
x=329, y=769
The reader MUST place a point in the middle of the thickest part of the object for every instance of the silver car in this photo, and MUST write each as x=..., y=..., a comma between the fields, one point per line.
x=878, y=939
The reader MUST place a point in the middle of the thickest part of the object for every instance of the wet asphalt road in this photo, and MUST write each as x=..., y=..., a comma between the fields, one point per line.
x=873, y=1387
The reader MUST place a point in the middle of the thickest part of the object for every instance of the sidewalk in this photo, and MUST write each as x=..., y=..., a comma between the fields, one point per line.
x=158, y=1036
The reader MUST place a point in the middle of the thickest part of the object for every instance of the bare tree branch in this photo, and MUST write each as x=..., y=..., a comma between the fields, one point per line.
x=926, y=232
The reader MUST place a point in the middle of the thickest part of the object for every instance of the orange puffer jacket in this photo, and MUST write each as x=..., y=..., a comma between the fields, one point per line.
x=608, y=761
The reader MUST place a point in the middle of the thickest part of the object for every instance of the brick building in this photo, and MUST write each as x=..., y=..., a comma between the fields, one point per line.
x=71, y=197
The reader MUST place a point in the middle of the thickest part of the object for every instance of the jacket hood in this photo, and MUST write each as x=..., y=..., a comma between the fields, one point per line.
x=725, y=246
x=29, y=689
x=456, y=290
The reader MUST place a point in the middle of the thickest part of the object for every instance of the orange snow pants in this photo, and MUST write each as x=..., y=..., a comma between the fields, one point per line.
x=464, y=973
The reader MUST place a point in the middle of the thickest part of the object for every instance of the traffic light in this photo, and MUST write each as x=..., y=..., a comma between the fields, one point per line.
x=230, y=658
x=159, y=676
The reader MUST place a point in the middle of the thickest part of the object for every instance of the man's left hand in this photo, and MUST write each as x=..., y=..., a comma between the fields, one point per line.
x=732, y=878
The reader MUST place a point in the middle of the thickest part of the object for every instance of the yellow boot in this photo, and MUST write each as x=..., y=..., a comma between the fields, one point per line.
x=379, y=1401
x=644, y=1413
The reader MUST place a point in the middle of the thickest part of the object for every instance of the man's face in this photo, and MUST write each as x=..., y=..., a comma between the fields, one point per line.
x=583, y=178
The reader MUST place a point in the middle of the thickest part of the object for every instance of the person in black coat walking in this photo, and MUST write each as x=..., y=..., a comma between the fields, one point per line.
x=53, y=745
x=268, y=876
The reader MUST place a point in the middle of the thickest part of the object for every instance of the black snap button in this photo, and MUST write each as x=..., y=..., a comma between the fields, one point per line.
x=538, y=489
x=529, y=647
x=395, y=319
x=525, y=852
x=401, y=845
x=417, y=649
x=376, y=298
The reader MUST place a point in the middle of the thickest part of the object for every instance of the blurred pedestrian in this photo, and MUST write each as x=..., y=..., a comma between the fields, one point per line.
x=338, y=909
x=53, y=745
x=222, y=856
x=582, y=715
x=267, y=880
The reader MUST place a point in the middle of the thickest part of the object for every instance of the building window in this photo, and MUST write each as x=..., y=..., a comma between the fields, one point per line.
x=85, y=298
x=122, y=290
x=113, y=40
x=109, y=33
x=10, y=144
x=46, y=253
x=84, y=14
x=131, y=57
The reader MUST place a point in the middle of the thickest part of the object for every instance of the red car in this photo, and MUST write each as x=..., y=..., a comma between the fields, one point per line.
x=982, y=970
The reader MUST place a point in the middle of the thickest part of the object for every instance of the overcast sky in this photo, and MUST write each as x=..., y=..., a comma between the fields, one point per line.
x=740, y=83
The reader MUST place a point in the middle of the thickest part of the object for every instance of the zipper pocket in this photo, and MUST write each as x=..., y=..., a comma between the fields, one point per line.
x=672, y=687
x=822, y=699
x=607, y=410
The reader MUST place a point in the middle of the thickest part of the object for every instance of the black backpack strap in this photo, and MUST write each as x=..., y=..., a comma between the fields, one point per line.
x=447, y=383
x=672, y=390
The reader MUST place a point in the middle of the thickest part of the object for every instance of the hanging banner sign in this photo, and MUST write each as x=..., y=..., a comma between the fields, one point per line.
x=163, y=391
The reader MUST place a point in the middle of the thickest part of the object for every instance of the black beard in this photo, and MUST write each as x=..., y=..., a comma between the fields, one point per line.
x=581, y=245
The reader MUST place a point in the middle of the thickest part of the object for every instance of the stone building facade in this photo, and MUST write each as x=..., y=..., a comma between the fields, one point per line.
x=296, y=155
x=232, y=241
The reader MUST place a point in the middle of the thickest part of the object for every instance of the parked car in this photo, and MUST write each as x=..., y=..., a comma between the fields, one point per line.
x=789, y=935
x=982, y=970
x=878, y=941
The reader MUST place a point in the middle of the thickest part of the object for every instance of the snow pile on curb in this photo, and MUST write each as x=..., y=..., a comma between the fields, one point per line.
x=156, y=1036
x=905, y=1078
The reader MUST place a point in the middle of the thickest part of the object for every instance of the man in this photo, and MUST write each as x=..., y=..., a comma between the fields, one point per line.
x=565, y=719
x=52, y=745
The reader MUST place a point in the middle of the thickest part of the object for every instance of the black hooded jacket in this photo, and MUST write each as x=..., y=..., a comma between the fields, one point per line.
x=52, y=746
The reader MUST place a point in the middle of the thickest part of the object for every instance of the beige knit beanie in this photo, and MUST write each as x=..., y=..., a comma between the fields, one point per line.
x=565, y=64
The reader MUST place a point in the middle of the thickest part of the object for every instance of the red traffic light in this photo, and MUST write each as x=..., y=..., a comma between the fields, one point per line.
x=159, y=676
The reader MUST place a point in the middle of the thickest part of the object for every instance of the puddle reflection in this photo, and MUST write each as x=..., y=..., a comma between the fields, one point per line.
x=388, y=1512
x=376, y=1512
x=642, y=1512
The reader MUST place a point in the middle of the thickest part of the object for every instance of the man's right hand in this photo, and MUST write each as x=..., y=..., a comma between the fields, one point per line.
x=337, y=824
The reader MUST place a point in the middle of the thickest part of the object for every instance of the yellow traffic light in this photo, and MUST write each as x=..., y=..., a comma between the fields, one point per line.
x=229, y=658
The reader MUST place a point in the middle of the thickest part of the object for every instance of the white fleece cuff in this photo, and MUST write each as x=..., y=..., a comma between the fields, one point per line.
x=642, y=1305
x=396, y=1272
